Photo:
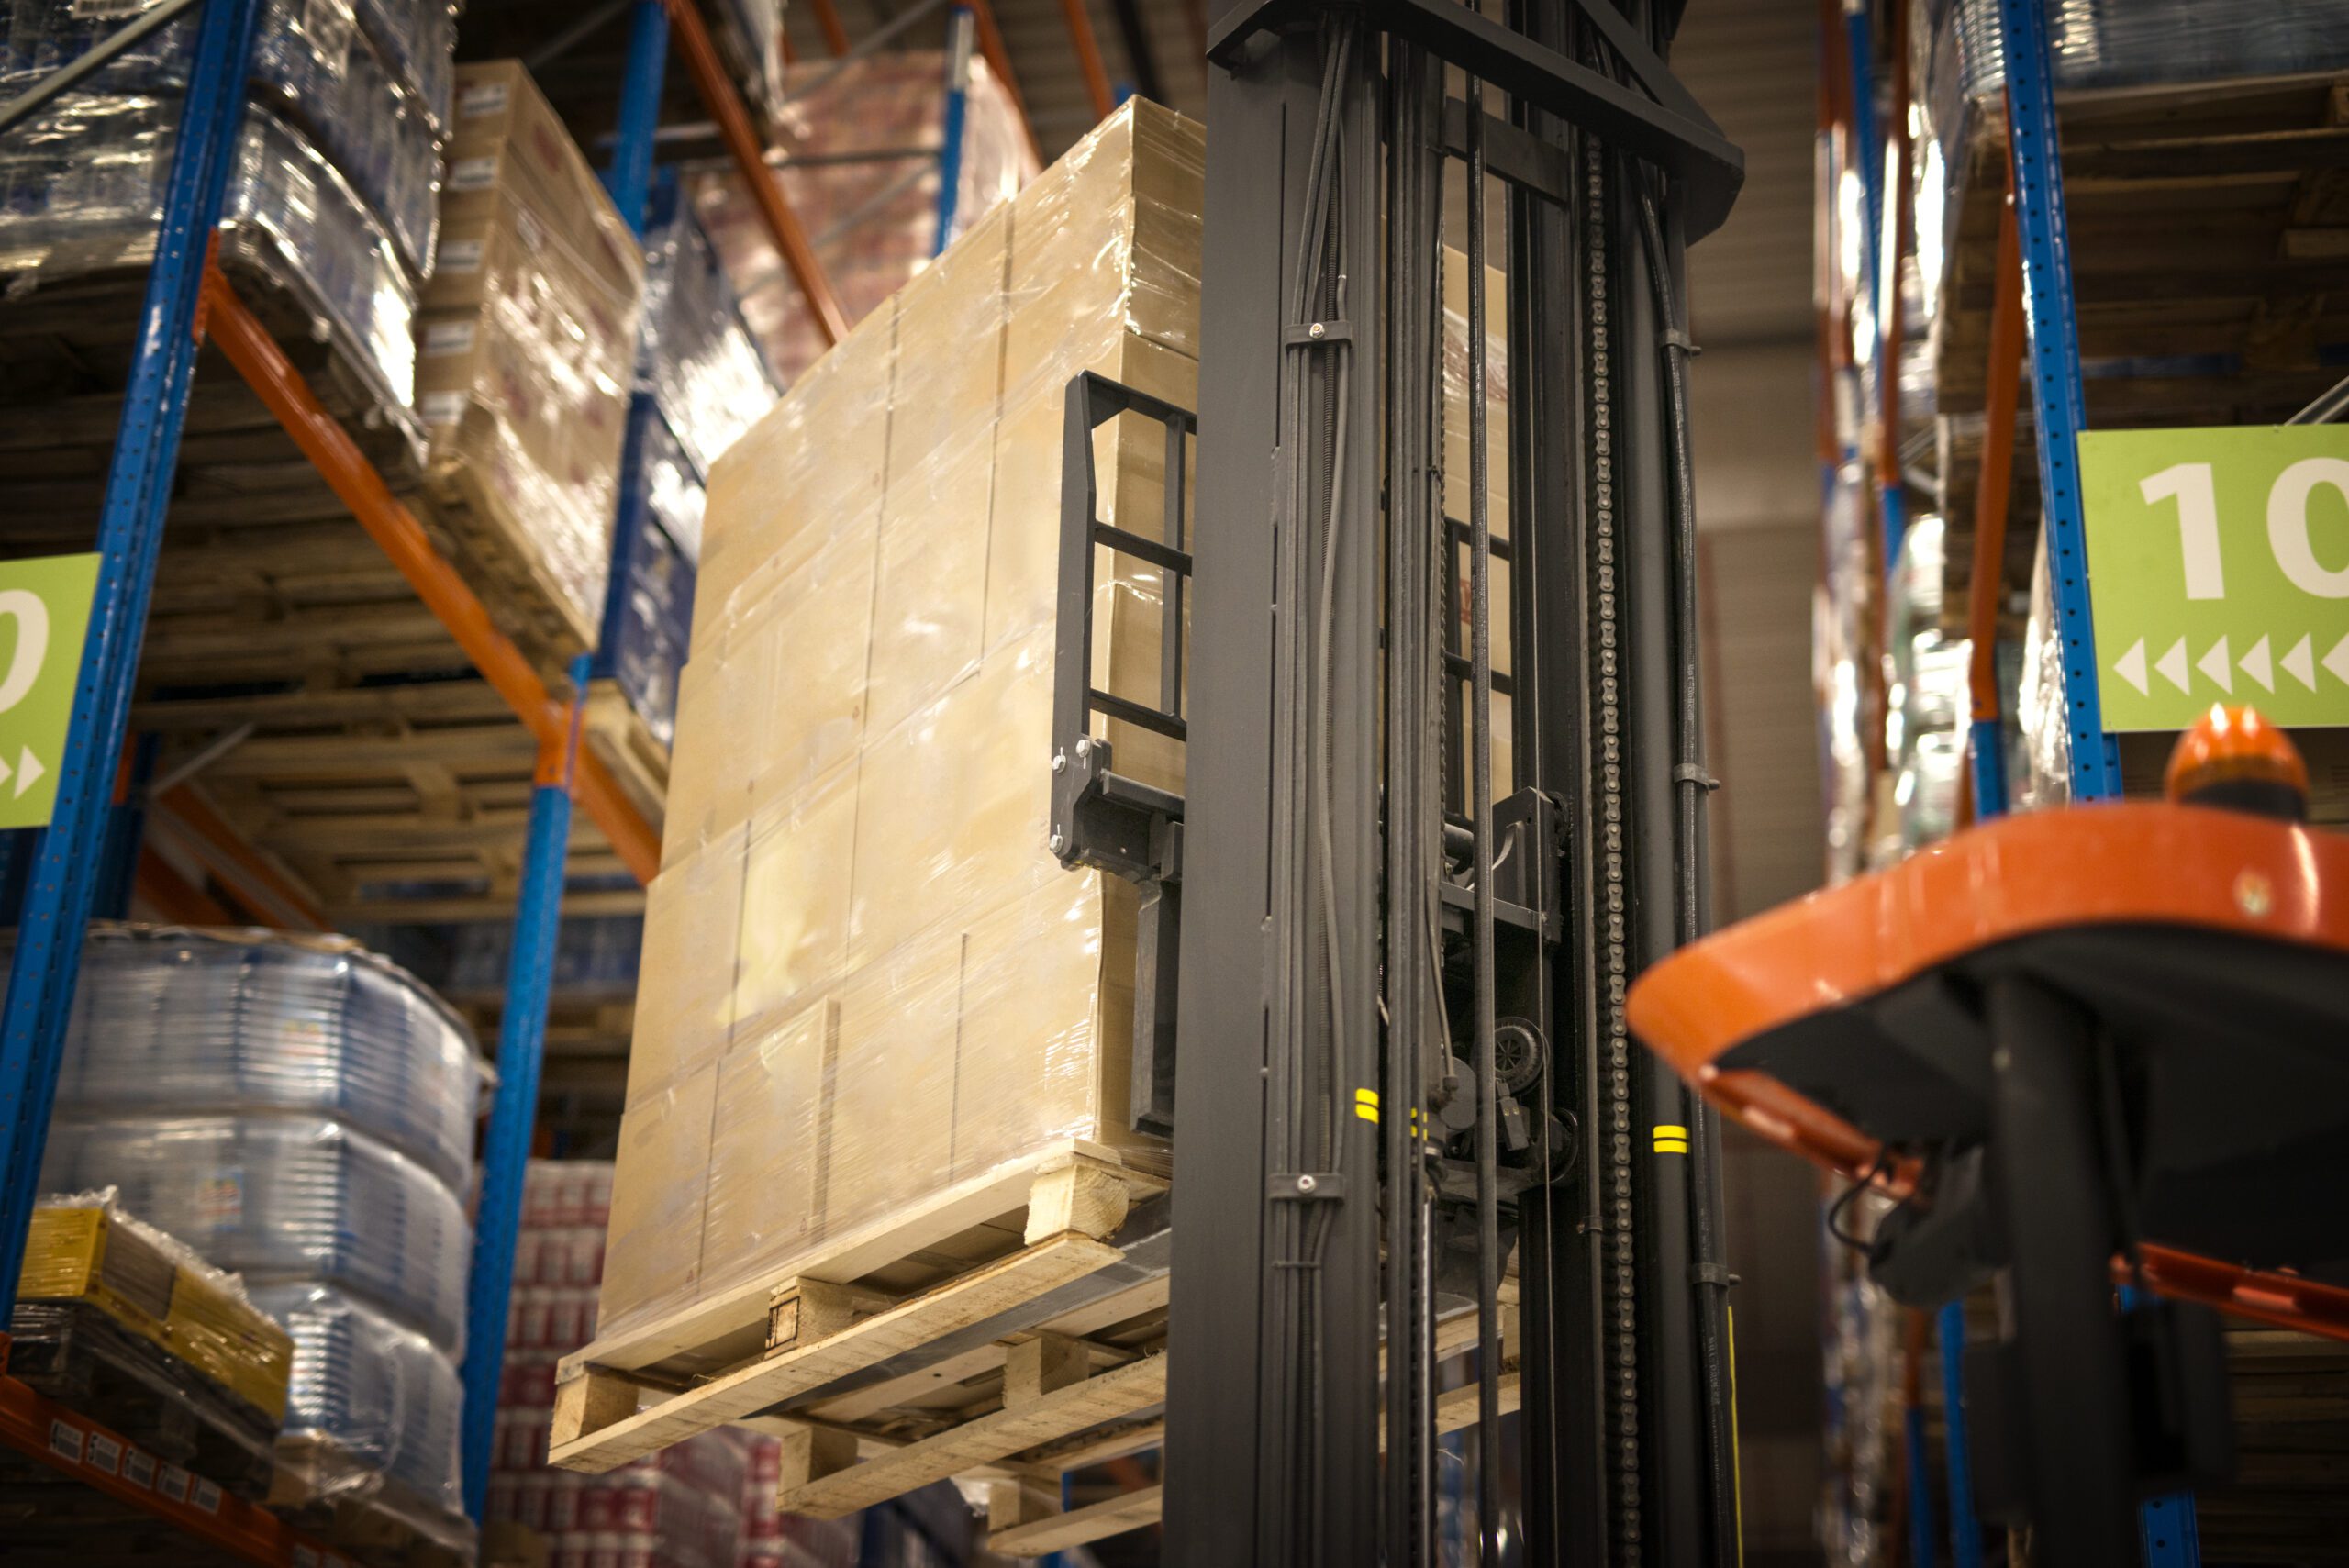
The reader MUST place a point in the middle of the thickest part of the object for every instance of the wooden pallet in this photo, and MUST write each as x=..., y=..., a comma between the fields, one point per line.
x=406, y=802
x=499, y=558
x=325, y=1495
x=1023, y=1523
x=624, y=743
x=264, y=569
x=879, y=1347
x=2288, y=1502
x=2208, y=220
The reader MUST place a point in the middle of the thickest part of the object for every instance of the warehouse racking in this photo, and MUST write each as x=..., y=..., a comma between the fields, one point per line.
x=189, y=302
x=2009, y=342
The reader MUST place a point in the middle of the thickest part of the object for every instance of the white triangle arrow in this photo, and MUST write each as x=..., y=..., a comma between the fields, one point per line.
x=28, y=770
x=2256, y=664
x=2338, y=660
x=2172, y=665
x=2301, y=664
x=2215, y=665
x=2131, y=667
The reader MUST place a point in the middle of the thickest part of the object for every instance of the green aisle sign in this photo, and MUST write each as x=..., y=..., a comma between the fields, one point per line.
x=44, y=612
x=2219, y=572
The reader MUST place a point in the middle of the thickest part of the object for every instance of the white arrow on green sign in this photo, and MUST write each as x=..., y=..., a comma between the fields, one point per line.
x=44, y=614
x=2219, y=572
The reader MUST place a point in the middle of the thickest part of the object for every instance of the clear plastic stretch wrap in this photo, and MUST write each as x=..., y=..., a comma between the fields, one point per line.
x=82, y=189
x=171, y=1021
x=865, y=976
x=529, y=338
x=710, y=377
x=1928, y=700
x=873, y=217
x=661, y=515
x=284, y=1196
x=1457, y=496
x=311, y=61
x=418, y=39
x=84, y=1249
x=1959, y=68
x=2046, y=730
x=1839, y=638
x=386, y=1400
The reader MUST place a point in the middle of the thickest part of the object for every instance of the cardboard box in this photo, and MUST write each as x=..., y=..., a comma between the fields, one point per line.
x=653, y=1253
x=507, y=137
x=765, y=1200
x=920, y=993
x=684, y=1002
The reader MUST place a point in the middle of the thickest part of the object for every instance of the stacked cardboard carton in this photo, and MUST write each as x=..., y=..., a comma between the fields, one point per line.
x=865, y=977
x=527, y=346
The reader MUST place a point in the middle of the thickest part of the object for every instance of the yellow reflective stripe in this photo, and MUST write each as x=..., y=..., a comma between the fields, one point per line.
x=1366, y=1104
x=1667, y=1131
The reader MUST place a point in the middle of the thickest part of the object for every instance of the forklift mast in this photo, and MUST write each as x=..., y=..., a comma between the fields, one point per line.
x=1443, y=797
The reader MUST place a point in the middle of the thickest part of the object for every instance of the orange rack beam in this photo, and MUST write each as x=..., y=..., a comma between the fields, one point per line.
x=742, y=141
x=71, y=1443
x=264, y=366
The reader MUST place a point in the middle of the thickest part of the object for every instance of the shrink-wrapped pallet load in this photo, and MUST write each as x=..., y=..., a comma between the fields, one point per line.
x=866, y=979
x=525, y=351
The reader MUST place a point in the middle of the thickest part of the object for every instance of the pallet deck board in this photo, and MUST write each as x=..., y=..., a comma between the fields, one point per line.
x=1106, y=1396
x=968, y=1299
x=727, y=1326
x=1079, y=1527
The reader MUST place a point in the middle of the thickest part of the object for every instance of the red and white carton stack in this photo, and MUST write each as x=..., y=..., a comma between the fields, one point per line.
x=687, y=1506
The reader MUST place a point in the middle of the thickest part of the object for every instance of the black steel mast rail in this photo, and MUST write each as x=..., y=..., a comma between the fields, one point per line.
x=1668, y=130
x=1375, y=941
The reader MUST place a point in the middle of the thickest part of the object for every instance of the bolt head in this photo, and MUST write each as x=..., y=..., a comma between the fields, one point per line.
x=1084, y=747
x=1317, y=330
x=1305, y=1183
x=1060, y=762
x=1055, y=843
x=2254, y=894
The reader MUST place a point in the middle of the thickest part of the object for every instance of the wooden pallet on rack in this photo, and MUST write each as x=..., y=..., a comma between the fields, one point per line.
x=2291, y=1416
x=952, y=1337
x=506, y=565
x=2208, y=226
x=264, y=569
x=406, y=802
x=325, y=1493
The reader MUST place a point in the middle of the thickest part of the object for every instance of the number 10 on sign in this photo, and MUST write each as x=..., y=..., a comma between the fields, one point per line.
x=2219, y=572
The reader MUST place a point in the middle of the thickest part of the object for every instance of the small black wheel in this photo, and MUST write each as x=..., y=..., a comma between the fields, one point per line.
x=1519, y=1055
